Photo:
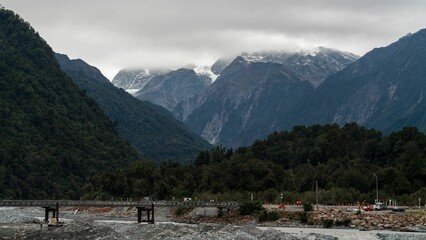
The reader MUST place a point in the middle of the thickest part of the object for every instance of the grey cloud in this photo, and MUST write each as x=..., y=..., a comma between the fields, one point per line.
x=114, y=35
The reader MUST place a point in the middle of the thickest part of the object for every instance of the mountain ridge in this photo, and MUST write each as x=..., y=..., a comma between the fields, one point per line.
x=235, y=106
x=383, y=89
x=169, y=89
x=151, y=129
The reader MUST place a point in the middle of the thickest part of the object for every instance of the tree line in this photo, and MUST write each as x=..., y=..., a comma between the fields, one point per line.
x=342, y=160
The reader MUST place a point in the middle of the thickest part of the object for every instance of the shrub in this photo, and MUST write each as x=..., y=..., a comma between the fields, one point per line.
x=248, y=208
x=327, y=223
x=263, y=216
x=307, y=207
x=346, y=222
x=220, y=213
x=268, y=216
x=304, y=217
x=273, y=216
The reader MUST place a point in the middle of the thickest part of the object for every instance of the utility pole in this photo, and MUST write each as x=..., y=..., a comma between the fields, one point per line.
x=377, y=187
x=316, y=192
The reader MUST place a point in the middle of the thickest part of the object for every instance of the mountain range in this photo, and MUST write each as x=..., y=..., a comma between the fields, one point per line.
x=151, y=129
x=313, y=65
x=253, y=95
x=248, y=102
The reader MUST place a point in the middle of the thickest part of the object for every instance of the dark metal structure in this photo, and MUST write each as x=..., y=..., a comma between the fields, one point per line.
x=149, y=214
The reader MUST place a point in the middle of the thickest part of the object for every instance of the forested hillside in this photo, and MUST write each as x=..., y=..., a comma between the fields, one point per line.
x=52, y=137
x=151, y=129
x=342, y=160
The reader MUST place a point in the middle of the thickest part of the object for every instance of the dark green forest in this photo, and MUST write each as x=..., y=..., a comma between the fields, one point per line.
x=52, y=136
x=342, y=160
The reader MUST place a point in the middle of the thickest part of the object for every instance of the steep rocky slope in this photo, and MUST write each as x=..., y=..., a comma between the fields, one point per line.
x=384, y=89
x=241, y=105
x=169, y=89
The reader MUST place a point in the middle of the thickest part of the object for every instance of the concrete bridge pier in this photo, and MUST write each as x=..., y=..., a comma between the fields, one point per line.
x=55, y=213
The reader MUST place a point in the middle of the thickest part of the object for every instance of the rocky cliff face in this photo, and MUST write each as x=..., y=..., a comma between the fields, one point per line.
x=384, y=89
x=241, y=105
x=169, y=89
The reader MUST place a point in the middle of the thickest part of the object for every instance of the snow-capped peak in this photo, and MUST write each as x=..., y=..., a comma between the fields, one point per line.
x=205, y=71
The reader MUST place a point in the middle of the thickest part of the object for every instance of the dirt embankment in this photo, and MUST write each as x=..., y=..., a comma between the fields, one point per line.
x=405, y=221
x=385, y=220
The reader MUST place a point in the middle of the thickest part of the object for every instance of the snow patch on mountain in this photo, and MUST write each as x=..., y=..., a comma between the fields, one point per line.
x=312, y=65
x=205, y=71
x=130, y=80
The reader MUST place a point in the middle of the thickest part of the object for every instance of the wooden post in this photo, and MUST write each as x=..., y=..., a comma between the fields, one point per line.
x=316, y=192
x=57, y=212
x=139, y=214
x=46, y=214
x=152, y=212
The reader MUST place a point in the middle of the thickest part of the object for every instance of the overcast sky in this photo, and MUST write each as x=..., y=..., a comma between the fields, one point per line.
x=112, y=35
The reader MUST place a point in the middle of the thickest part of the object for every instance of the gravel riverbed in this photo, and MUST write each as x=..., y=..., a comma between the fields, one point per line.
x=24, y=223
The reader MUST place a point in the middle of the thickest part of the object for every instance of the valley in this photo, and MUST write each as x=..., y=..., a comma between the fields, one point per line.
x=226, y=125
